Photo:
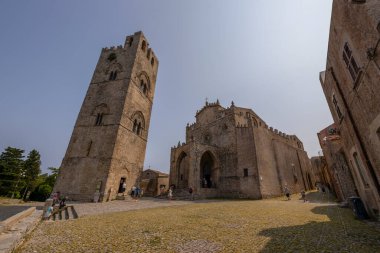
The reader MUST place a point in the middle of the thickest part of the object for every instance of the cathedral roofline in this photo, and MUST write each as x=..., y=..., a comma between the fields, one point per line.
x=207, y=105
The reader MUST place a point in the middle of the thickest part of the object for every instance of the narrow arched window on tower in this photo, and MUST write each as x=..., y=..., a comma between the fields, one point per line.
x=350, y=62
x=148, y=53
x=141, y=84
x=152, y=61
x=139, y=129
x=144, y=89
x=135, y=126
x=130, y=40
x=113, y=75
x=99, y=118
x=143, y=45
x=138, y=123
x=89, y=148
x=337, y=108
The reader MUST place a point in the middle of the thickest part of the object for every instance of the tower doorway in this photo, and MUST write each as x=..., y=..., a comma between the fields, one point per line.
x=122, y=186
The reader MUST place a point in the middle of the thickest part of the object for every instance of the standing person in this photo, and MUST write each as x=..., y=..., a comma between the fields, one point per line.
x=62, y=204
x=48, y=212
x=287, y=192
x=55, y=198
x=162, y=190
x=137, y=192
x=303, y=196
x=170, y=194
x=123, y=187
x=191, y=193
x=133, y=189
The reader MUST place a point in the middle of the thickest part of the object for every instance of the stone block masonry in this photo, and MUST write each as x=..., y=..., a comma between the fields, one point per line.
x=108, y=143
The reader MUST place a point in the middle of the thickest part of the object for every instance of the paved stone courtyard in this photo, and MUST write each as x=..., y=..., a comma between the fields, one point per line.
x=272, y=225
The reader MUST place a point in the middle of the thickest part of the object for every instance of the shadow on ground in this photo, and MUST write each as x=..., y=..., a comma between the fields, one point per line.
x=342, y=233
x=317, y=197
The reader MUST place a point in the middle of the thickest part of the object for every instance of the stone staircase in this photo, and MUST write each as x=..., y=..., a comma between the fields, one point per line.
x=125, y=197
x=65, y=213
x=183, y=194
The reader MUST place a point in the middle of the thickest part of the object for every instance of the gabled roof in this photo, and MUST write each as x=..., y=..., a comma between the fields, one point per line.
x=157, y=172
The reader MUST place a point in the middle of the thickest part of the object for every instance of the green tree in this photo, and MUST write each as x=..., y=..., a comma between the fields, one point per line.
x=11, y=171
x=41, y=193
x=45, y=184
x=32, y=167
x=50, y=180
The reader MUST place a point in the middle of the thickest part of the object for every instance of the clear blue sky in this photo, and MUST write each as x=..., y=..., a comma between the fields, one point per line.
x=262, y=54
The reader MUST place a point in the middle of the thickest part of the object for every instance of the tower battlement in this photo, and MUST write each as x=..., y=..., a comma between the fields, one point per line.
x=139, y=36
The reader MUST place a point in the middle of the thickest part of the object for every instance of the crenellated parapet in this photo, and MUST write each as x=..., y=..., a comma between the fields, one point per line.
x=150, y=55
x=292, y=139
x=112, y=48
x=131, y=42
x=191, y=126
x=180, y=144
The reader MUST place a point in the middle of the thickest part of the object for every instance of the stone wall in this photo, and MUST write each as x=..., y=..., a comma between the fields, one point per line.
x=341, y=177
x=248, y=159
x=350, y=84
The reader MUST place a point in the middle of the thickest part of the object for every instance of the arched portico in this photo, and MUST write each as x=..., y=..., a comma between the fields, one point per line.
x=208, y=170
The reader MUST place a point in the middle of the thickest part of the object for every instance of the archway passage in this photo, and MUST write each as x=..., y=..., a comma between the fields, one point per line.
x=207, y=172
x=183, y=171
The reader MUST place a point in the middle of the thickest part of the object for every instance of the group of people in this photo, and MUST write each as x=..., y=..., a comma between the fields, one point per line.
x=322, y=188
x=287, y=194
x=170, y=193
x=207, y=183
x=58, y=202
x=136, y=192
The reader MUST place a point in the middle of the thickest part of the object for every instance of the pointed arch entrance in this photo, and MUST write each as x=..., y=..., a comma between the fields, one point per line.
x=208, y=170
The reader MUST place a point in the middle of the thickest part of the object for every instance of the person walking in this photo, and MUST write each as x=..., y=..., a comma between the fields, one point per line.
x=133, y=189
x=137, y=193
x=48, y=212
x=55, y=198
x=123, y=187
x=287, y=193
x=191, y=193
x=170, y=194
x=303, y=196
x=62, y=204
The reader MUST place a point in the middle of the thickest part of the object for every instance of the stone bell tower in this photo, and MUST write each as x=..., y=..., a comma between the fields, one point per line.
x=108, y=143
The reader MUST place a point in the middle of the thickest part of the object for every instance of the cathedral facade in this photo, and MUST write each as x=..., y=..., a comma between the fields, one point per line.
x=108, y=143
x=231, y=152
